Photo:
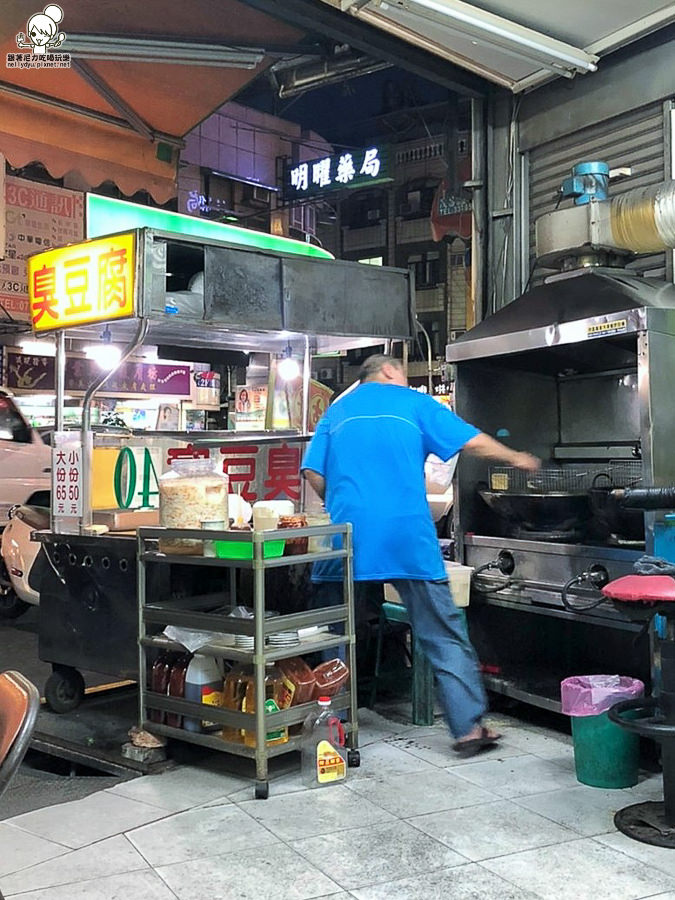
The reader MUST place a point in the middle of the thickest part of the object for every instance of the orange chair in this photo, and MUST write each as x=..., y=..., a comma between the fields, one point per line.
x=19, y=705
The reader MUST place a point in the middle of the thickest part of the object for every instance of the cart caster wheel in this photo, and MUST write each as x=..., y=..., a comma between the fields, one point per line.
x=262, y=790
x=353, y=759
x=64, y=690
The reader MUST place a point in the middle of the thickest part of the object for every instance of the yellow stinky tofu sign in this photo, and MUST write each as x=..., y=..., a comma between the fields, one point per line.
x=83, y=283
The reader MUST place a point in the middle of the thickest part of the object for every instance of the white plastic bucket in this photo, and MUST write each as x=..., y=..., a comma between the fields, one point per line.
x=459, y=577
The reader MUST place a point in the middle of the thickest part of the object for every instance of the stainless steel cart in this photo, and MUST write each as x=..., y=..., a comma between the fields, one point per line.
x=168, y=612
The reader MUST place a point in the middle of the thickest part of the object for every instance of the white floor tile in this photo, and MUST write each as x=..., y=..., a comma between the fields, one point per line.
x=588, y=811
x=656, y=857
x=470, y=882
x=492, y=829
x=199, y=833
x=275, y=873
x=385, y=757
x=19, y=849
x=580, y=869
x=419, y=792
x=181, y=788
x=114, y=856
x=87, y=821
x=518, y=776
x=320, y=811
x=131, y=886
x=363, y=856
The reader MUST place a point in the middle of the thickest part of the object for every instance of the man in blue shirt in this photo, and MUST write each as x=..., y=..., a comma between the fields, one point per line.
x=366, y=460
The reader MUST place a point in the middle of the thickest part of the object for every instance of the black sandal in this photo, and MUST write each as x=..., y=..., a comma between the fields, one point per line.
x=470, y=748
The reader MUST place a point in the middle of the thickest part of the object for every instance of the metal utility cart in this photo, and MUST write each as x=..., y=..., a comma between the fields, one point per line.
x=258, y=295
x=183, y=614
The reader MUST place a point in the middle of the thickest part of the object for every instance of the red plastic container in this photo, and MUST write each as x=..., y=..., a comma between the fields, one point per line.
x=331, y=677
x=299, y=673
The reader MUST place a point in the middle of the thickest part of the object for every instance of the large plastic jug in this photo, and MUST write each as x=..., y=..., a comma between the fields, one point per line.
x=203, y=684
x=324, y=757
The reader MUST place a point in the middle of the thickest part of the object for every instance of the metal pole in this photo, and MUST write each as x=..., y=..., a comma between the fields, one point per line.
x=259, y=657
x=348, y=594
x=60, y=379
x=306, y=372
x=134, y=343
x=479, y=218
x=142, y=663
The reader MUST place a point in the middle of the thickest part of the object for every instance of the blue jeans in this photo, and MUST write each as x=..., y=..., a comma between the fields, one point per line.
x=438, y=626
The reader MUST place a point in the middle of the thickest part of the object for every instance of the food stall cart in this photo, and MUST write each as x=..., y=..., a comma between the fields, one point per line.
x=106, y=485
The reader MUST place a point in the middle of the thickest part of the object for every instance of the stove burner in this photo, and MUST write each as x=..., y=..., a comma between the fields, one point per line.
x=553, y=535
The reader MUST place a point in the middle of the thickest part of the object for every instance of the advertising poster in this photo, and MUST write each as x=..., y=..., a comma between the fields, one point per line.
x=250, y=406
x=37, y=217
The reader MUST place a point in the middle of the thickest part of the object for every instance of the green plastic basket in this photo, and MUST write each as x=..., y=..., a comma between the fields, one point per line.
x=244, y=549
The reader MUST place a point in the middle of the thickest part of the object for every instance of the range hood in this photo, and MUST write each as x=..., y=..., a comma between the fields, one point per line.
x=568, y=307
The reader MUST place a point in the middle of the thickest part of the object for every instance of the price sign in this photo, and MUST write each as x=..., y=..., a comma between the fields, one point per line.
x=67, y=480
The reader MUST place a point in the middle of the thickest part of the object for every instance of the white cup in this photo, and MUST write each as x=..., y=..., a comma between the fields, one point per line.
x=264, y=519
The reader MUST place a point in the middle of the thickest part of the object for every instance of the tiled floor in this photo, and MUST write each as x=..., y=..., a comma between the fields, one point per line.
x=413, y=823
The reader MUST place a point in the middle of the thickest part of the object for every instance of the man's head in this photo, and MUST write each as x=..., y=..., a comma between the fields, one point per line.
x=383, y=369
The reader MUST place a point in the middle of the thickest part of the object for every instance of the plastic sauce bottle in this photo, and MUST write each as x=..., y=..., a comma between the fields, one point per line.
x=324, y=757
x=203, y=684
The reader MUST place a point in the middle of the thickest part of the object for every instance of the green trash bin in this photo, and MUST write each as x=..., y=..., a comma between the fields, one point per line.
x=605, y=755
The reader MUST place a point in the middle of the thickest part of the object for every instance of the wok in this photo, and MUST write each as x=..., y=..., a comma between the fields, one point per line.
x=562, y=511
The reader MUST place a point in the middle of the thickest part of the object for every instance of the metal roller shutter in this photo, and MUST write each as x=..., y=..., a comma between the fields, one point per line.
x=635, y=139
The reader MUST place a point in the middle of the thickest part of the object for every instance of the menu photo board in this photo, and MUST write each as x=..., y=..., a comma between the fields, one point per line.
x=83, y=284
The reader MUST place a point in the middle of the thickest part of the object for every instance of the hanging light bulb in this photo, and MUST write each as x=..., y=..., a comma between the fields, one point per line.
x=105, y=354
x=287, y=367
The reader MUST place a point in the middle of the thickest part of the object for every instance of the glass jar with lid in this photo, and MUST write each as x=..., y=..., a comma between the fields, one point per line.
x=191, y=492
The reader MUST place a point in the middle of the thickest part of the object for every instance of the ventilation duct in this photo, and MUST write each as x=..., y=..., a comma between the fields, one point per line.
x=293, y=81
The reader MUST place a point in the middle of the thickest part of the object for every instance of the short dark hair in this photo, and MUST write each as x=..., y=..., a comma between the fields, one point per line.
x=375, y=363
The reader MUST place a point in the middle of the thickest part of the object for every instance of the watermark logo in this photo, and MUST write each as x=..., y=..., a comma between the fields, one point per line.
x=42, y=36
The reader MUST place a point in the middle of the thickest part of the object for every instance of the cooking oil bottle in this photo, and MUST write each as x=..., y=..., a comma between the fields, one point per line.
x=324, y=756
x=234, y=692
x=276, y=698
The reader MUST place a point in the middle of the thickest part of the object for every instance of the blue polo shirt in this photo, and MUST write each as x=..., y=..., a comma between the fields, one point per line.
x=371, y=446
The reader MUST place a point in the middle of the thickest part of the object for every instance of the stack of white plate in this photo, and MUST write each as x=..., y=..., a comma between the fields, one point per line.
x=283, y=639
x=244, y=641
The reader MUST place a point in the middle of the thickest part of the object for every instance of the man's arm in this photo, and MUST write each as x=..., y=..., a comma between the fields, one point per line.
x=318, y=482
x=488, y=448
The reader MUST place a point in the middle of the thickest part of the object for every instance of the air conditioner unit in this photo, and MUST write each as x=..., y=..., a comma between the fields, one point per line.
x=257, y=196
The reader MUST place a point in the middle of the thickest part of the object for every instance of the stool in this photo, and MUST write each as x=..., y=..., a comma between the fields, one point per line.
x=641, y=597
x=422, y=674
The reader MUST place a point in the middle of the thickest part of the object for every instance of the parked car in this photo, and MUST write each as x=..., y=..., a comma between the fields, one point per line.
x=25, y=466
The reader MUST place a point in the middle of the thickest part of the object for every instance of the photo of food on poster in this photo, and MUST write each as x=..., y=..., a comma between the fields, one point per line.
x=287, y=407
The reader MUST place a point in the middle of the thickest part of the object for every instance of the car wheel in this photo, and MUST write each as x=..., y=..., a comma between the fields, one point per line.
x=11, y=607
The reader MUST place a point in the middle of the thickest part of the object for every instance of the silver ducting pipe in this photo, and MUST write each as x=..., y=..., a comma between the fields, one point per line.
x=643, y=219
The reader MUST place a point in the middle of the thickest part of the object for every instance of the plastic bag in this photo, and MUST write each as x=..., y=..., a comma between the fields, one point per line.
x=591, y=695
